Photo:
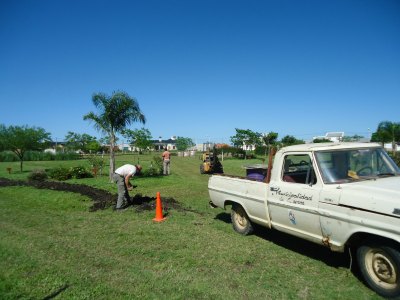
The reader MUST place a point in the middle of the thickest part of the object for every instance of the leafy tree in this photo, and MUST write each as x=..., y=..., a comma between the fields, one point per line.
x=183, y=143
x=139, y=138
x=76, y=141
x=387, y=132
x=246, y=137
x=20, y=139
x=289, y=140
x=116, y=112
x=92, y=147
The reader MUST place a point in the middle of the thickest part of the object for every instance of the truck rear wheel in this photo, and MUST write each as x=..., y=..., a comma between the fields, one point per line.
x=240, y=220
x=380, y=267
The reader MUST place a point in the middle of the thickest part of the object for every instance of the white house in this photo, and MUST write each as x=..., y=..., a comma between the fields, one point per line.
x=160, y=144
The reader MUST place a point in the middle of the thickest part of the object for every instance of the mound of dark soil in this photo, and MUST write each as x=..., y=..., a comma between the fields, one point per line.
x=101, y=198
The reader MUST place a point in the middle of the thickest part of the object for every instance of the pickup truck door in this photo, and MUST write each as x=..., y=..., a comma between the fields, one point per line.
x=293, y=198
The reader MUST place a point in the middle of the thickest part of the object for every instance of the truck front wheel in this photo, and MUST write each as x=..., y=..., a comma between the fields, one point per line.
x=240, y=220
x=380, y=267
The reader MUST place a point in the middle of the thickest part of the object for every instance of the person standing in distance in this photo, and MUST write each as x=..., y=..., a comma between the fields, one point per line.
x=166, y=156
x=121, y=178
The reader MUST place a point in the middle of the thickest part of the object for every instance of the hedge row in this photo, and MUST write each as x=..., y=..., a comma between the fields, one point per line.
x=8, y=156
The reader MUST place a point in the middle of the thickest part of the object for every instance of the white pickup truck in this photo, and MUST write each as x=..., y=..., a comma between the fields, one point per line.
x=340, y=195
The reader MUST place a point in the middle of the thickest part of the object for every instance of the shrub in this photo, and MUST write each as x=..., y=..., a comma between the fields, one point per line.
x=8, y=156
x=67, y=156
x=38, y=175
x=155, y=169
x=33, y=156
x=48, y=156
x=233, y=151
x=157, y=163
x=149, y=172
x=80, y=172
x=38, y=156
x=60, y=173
x=96, y=162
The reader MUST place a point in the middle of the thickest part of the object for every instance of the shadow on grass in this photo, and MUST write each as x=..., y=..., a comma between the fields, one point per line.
x=293, y=243
x=57, y=292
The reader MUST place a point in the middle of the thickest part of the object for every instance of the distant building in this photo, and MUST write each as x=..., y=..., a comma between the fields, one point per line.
x=203, y=146
x=161, y=144
x=335, y=137
x=55, y=146
x=126, y=147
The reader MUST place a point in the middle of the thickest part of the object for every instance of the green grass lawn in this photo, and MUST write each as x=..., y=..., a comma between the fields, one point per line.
x=51, y=245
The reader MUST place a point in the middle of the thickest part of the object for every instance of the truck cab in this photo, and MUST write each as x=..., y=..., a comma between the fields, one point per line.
x=339, y=195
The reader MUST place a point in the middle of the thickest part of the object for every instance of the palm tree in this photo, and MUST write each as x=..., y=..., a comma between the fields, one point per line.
x=116, y=112
x=269, y=139
x=387, y=132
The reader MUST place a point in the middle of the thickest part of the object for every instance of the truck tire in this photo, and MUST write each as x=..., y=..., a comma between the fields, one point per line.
x=240, y=220
x=380, y=267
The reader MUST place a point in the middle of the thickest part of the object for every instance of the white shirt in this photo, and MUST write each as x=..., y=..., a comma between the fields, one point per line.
x=126, y=170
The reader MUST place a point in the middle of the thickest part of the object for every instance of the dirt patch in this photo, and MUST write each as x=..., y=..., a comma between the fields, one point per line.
x=101, y=198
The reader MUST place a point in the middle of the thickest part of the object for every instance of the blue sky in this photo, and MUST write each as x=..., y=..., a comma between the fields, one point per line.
x=200, y=69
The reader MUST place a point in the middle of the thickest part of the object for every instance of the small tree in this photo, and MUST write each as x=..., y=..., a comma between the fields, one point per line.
x=139, y=138
x=184, y=143
x=20, y=139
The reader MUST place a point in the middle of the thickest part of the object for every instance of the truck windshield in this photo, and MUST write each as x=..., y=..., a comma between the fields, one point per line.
x=343, y=166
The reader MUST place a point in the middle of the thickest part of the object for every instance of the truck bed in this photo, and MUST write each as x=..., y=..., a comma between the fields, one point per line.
x=251, y=194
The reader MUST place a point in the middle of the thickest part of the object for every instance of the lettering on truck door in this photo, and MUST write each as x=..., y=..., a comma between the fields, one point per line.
x=294, y=198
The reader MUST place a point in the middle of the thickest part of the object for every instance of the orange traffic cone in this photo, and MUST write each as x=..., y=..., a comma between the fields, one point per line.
x=159, y=215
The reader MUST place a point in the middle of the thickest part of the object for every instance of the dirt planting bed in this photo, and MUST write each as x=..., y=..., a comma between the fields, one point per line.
x=101, y=198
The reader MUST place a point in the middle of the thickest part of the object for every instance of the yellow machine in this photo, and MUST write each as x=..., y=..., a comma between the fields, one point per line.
x=211, y=163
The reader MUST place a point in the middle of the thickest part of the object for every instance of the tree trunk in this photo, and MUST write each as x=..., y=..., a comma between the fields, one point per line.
x=112, y=157
x=21, y=158
x=393, y=147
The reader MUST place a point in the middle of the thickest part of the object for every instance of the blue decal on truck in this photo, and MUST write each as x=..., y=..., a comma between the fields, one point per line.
x=292, y=218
